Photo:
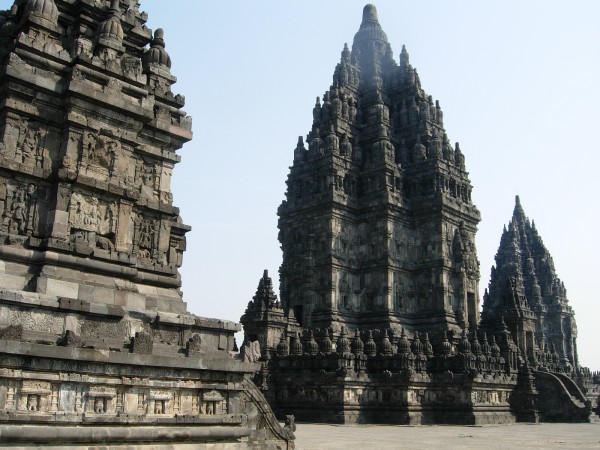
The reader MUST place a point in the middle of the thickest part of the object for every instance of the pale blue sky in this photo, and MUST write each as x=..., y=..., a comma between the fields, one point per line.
x=517, y=81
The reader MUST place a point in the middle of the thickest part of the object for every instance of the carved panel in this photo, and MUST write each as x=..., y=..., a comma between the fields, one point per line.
x=25, y=143
x=213, y=403
x=93, y=221
x=101, y=329
x=102, y=156
x=147, y=178
x=146, y=238
x=37, y=321
x=35, y=387
x=102, y=391
x=23, y=206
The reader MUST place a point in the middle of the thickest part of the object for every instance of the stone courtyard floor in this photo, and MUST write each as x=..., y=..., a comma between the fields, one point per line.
x=443, y=437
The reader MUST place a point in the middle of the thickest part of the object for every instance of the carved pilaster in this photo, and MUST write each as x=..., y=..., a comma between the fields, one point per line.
x=60, y=214
x=124, y=227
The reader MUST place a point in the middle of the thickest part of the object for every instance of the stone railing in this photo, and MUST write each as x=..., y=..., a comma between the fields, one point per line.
x=376, y=351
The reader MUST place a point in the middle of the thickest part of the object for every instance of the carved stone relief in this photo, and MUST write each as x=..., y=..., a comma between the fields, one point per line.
x=21, y=204
x=102, y=156
x=147, y=178
x=37, y=321
x=132, y=67
x=146, y=239
x=93, y=221
x=25, y=143
x=30, y=147
x=34, y=396
x=98, y=329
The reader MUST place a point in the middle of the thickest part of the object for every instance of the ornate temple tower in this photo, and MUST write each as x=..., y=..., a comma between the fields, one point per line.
x=88, y=135
x=525, y=292
x=378, y=227
x=94, y=333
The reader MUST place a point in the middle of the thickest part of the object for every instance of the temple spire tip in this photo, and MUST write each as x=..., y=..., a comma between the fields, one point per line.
x=370, y=13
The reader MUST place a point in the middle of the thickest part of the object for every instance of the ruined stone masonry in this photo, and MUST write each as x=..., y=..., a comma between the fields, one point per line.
x=96, y=344
x=379, y=318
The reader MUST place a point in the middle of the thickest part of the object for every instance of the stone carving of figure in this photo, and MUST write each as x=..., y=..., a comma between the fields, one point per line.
x=290, y=423
x=248, y=352
x=99, y=405
x=256, y=350
x=19, y=213
x=158, y=407
x=91, y=218
x=91, y=146
x=148, y=175
x=251, y=351
x=112, y=217
x=101, y=151
x=146, y=234
x=29, y=147
x=461, y=317
x=32, y=402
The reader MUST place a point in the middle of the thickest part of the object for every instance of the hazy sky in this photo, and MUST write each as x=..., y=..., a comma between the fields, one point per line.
x=517, y=81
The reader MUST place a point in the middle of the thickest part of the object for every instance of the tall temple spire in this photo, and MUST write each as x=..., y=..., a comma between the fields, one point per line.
x=379, y=175
x=524, y=270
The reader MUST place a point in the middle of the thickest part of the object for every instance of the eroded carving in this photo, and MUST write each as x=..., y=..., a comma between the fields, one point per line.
x=145, y=238
x=25, y=143
x=142, y=343
x=92, y=221
x=37, y=321
x=21, y=210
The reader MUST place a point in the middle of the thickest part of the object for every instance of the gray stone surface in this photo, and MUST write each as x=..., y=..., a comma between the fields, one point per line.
x=96, y=344
x=521, y=436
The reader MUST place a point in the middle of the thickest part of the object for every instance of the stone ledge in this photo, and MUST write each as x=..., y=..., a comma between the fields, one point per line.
x=211, y=361
x=104, y=434
x=27, y=417
x=31, y=299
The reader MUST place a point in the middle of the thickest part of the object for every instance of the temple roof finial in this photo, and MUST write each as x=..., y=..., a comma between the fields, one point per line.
x=370, y=29
x=370, y=13
x=519, y=213
x=404, y=61
x=157, y=54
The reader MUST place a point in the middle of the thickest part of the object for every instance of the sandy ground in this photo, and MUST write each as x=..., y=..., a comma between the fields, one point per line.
x=488, y=437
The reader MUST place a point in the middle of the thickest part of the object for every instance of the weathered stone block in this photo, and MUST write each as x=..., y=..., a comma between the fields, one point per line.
x=104, y=295
x=142, y=343
x=16, y=282
x=60, y=288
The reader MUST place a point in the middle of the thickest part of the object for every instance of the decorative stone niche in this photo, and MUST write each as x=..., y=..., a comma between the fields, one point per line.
x=213, y=403
x=34, y=396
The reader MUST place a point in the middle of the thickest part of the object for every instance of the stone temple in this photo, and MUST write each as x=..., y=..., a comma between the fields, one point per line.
x=379, y=313
x=379, y=318
x=97, y=347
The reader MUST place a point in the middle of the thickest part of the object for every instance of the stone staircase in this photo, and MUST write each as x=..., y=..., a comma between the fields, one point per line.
x=560, y=399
